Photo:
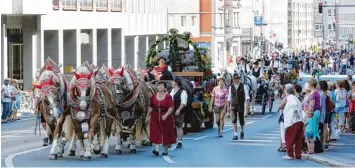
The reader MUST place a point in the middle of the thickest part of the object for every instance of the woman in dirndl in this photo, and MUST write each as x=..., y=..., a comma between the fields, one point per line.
x=162, y=130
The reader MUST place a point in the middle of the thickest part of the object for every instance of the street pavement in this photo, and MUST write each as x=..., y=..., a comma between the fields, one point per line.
x=341, y=153
x=20, y=148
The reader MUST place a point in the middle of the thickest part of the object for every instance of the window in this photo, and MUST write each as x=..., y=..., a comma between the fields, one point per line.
x=329, y=26
x=193, y=20
x=183, y=21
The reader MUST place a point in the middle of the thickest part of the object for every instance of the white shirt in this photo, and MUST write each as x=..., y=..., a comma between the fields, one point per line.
x=169, y=68
x=246, y=92
x=7, y=91
x=183, y=96
x=344, y=61
x=292, y=111
x=275, y=63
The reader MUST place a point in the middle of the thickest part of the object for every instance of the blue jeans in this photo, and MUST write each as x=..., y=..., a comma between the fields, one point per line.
x=5, y=110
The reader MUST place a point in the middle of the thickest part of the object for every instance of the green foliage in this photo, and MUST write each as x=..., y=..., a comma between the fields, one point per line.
x=172, y=39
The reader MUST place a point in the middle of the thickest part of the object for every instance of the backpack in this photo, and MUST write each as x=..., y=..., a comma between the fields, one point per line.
x=329, y=104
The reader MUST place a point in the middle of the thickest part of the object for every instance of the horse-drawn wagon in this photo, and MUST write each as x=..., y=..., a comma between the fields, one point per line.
x=193, y=67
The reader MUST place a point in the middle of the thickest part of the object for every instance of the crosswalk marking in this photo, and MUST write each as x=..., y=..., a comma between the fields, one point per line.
x=11, y=136
x=254, y=144
x=270, y=135
x=267, y=137
x=255, y=140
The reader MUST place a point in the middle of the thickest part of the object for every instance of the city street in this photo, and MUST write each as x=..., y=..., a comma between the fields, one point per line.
x=21, y=148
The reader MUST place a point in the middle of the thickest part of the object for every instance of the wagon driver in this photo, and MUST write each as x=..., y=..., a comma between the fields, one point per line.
x=238, y=94
x=163, y=70
x=179, y=96
x=244, y=67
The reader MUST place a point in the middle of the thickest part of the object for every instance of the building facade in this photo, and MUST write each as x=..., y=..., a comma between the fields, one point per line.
x=110, y=32
x=345, y=23
x=300, y=24
x=324, y=30
x=275, y=14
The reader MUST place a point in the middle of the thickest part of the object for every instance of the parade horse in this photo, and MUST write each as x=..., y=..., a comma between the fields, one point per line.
x=227, y=76
x=133, y=100
x=251, y=82
x=86, y=98
x=53, y=106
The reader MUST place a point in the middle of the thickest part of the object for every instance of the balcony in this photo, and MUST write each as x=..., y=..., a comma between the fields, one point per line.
x=26, y=7
x=116, y=5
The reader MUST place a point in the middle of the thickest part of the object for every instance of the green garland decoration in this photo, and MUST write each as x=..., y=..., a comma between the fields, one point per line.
x=172, y=38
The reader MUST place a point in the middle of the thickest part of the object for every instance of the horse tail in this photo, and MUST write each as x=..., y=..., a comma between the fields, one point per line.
x=68, y=127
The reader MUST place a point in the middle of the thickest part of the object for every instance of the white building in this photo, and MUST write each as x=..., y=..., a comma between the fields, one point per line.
x=300, y=24
x=111, y=32
x=184, y=16
x=345, y=23
x=275, y=15
x=324, y=31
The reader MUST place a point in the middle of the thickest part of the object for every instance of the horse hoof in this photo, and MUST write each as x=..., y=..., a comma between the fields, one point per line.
x=118, y=152
x=81, y=157
x=97, y=152
x=133, y=151
x=87, y=158
x=104, y=155
x=60, y=155
x=53, y=156
x=71, y=153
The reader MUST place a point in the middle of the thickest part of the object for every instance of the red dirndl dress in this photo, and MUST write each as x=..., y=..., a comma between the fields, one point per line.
x=162, y=132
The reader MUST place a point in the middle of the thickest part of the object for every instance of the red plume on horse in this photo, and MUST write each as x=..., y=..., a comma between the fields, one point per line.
x=83, y=76
x=48, y=82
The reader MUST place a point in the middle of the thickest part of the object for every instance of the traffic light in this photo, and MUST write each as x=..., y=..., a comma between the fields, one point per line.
x=334, y=25
x=320, y=8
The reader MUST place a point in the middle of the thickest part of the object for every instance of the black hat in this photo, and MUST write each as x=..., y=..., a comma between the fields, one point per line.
x=236, y=76
x=256, y=63
x=160, y=59
x=178, y=81
x=242, y=59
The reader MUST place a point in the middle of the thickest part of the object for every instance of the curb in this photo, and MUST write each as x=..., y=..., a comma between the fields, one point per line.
x=325, y=161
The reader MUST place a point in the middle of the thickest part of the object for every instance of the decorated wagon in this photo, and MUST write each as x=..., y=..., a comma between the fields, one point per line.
x=193, y=67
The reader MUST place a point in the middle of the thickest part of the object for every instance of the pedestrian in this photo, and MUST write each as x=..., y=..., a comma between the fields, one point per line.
x=352, y=110
x=218, y=104
x=298, y=92
x=281, y=123
x=325, y=114
x=16, y=101
x=293, y=124
x=6, y=100
x=179, y=96
x=340, y=105
x=347, y=87
x=314, y=111
x=162, y=129
x=238, y=94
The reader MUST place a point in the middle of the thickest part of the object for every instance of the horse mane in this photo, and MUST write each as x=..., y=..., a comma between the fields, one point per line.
x=49, y=64
x=131, y=71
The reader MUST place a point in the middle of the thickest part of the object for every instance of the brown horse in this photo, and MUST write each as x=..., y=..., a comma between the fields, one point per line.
x=132, y=103
x=53, y=107
x=85, y=101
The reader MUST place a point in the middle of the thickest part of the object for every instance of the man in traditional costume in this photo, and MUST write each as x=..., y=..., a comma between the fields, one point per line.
x=243, y=67
x=179, y=96
x=256, y=70
x=238, y=95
